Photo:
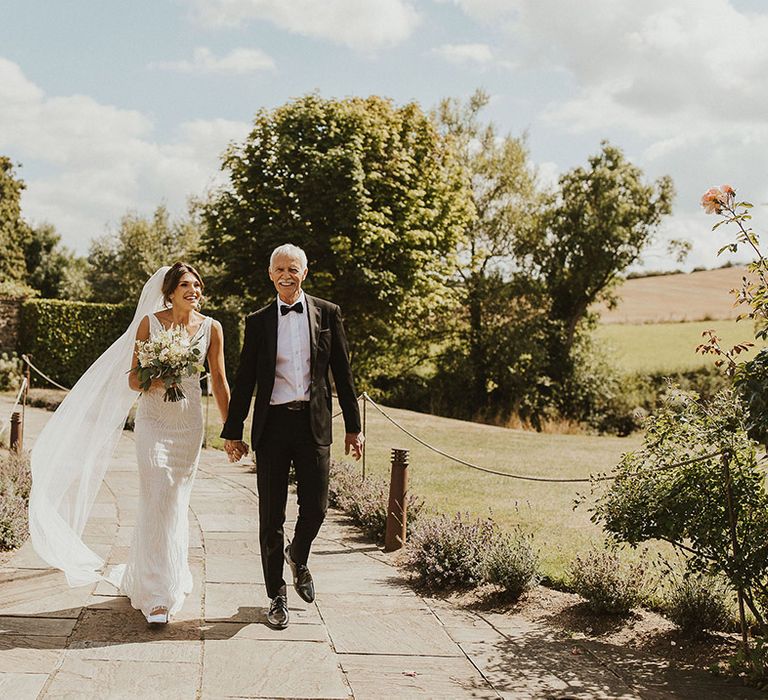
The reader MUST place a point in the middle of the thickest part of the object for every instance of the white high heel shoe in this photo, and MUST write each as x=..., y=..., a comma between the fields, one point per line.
x=159, y=616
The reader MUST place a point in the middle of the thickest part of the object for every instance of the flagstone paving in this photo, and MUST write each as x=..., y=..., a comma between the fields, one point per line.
x=368, y=635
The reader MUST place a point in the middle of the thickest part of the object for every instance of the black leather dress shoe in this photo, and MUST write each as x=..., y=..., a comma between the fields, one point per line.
x=277, y=617
x=302, y=579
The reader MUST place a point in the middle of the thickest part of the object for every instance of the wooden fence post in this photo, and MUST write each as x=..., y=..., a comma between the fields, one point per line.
x=17, y=433
x=394, y=538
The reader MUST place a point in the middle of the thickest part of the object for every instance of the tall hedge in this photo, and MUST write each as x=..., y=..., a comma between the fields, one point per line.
x=64, y=338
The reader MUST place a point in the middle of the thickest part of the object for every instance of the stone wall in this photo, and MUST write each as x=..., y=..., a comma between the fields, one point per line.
x=10, y=321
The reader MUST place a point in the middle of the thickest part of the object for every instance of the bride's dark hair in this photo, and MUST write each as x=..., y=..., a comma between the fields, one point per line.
x=172, y=277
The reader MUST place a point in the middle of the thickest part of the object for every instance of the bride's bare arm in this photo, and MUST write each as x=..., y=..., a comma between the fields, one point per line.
x=216, y=368
x=142, y=333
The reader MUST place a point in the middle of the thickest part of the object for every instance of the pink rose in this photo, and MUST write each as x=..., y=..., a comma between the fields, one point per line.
x=714, y=199
x=711, y=201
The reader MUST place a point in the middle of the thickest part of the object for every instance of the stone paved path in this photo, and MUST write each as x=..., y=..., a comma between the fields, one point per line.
x=367, y=635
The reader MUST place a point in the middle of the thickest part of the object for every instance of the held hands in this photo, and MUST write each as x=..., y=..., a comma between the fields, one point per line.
x=354, y=442
x=235, y=449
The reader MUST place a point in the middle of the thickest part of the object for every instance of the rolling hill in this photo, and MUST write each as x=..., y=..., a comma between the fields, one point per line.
x=694, y=296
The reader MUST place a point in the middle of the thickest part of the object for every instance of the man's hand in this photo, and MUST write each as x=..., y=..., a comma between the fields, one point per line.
x=354, y=442
x=235, y=449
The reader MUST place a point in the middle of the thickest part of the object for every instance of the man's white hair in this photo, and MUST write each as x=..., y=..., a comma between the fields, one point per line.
x=292, y=251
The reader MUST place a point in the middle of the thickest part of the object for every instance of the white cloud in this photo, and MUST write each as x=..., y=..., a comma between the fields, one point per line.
x=641, y=65
x=101, y=161
x=474, y=54
x=492, y=11
x=236, y=62
x=695, y=227
x=359, y=24
x=679, y=81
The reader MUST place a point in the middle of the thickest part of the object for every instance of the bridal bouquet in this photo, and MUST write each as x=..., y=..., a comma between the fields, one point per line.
x=169, y=355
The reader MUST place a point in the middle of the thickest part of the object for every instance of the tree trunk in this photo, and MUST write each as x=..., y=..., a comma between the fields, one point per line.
x=477, y=355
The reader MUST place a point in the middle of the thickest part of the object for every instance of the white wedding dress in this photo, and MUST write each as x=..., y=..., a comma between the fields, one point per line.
x=71, y=455
x=168, y=440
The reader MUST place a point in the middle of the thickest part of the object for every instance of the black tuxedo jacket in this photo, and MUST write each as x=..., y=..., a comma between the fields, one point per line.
x=328, y=353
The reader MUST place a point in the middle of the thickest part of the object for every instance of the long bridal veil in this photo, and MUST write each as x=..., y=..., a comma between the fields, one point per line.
x=71, y=454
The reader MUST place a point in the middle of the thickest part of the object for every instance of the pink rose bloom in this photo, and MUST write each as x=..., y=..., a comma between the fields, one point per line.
x=711, y=201
x=728, y=190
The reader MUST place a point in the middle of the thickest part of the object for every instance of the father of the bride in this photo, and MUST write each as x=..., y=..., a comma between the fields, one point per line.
x=289, y=347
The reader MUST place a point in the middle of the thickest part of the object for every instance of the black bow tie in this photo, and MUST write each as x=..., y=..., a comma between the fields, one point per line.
x=298, y=307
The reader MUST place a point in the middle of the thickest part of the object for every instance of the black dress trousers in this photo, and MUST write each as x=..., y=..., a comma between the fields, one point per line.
x=287, y=439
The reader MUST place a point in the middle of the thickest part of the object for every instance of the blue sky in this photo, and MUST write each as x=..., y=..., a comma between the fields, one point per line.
x=113, y=106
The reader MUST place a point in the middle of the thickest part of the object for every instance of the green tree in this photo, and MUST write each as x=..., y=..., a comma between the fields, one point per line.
x=74, y=283
x=499, y=313
x=375, y=197
x=33, y=260
x=48, y=264
x=13, y=229
x=120, y=263
x=592, y=228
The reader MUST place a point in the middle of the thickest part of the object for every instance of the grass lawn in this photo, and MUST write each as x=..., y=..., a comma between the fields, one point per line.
x=667, y=347
x=544, y=509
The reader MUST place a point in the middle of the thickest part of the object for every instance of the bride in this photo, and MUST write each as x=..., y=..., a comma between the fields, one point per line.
x=71, y=454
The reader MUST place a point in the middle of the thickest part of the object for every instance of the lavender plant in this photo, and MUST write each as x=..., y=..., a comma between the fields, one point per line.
x=366, y=501
x=449, y=551
x=15, y=484
x=511, y=563
x=609, y=586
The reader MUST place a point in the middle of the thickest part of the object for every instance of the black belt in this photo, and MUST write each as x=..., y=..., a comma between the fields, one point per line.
x=293, y=405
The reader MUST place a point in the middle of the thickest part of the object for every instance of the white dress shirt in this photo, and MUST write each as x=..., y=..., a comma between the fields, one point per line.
x=292, y=375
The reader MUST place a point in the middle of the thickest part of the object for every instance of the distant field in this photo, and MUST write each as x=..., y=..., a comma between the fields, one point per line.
x=667, y=347
x=695, y=296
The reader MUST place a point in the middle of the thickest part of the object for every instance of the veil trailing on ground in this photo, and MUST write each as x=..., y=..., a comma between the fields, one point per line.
x=71, y=454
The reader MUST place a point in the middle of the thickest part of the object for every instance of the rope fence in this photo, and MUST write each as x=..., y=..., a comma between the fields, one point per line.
x=522, y=477
x=42, y=374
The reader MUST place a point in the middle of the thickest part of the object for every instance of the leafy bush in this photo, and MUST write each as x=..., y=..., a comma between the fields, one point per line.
x=11, y=371
x=65, y=337
x=698, y=603
x=14, y=289
x=15, y=484
x=511, y=563
x=447, y=551
x=751, y=380
x=366, y=501
x=687, y=505
x=610, y=586
x=595, y=393
x=752, y=665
